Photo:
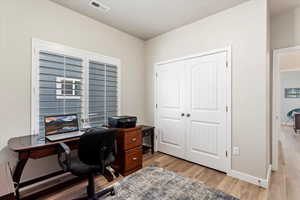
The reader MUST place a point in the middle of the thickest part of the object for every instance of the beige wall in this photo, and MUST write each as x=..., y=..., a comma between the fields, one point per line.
x=22, y=20
x=285, y=29
x=285, y=32
x=245, y=28
x=290, y=61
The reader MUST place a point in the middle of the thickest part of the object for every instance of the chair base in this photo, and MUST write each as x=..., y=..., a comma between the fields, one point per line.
x=91, y=194
x=110, y=191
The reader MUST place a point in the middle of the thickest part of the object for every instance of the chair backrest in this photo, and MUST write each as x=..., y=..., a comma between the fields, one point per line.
x=93, y=142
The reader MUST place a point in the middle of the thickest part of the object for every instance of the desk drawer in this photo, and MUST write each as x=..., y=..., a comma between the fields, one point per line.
x=40, y=153
x=133, y=159
x=50, y=150
x=132, y=139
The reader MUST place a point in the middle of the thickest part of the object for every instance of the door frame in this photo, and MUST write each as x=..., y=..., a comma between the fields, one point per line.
x=276, y=101
x=228, y=51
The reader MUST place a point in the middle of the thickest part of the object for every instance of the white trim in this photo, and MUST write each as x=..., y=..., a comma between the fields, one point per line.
x=40, y=45
x=229, y=104
x=228, y=50
x=269, y=174
x=86, y=91
x=276, y=110
x=34, y=90
x=290, y=70
x=252, y=179
x=59, y=48
x=155, y=109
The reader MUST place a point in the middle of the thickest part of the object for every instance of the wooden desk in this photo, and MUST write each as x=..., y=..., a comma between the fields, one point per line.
x=7, y=190
x=31, y=147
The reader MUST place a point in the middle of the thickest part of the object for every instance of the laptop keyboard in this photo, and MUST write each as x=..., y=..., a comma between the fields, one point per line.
x=64, y=136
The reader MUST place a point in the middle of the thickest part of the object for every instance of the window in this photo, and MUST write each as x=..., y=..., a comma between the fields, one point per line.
x=292, y=93
x=67, y=81
x=68, y=88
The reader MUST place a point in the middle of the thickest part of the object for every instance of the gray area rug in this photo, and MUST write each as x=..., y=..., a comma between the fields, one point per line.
x=153, y=183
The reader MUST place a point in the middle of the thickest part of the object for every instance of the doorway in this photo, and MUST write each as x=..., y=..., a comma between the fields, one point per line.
x=286, y=111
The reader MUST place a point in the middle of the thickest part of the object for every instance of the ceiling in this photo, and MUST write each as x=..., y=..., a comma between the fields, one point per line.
x=279, y=6
x=148, y=18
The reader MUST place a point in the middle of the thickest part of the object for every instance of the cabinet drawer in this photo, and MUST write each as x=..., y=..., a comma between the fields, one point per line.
x=133, y=159
x=132, y=139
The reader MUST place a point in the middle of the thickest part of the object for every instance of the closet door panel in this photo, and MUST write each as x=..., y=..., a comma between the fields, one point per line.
x=206, y=106
x=170, y=106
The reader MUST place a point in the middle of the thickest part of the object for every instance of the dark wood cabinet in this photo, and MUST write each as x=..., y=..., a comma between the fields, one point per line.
x=129, y=156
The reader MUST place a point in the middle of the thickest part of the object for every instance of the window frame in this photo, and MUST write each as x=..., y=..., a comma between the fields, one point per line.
x=41, y=45
x=60, y=89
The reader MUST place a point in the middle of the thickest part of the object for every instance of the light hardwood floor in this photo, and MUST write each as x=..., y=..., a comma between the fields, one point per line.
x=277, y=188
x=285, y=183
x=215, y=179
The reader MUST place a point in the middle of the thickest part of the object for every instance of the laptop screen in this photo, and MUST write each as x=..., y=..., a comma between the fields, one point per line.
x=56, y=124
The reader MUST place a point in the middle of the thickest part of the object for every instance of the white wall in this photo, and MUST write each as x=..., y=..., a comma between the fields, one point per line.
x=285, y=29
x=245, y=28
x=289, y=80
x=22, y=20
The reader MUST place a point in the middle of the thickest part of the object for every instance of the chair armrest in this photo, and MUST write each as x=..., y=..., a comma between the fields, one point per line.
x=64, y=147
x=64, y=156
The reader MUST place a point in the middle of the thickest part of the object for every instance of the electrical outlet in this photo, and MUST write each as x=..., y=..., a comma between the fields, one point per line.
x=236, y=151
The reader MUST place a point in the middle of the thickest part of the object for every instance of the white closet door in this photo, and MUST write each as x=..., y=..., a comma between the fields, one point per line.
x=206, y=108
x=170, y=106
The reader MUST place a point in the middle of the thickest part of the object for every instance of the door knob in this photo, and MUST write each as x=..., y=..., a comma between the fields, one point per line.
x=188, y=115
x=182, y=114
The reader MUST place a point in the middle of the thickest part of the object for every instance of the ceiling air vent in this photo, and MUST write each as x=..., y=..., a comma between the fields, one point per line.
x=98, y=5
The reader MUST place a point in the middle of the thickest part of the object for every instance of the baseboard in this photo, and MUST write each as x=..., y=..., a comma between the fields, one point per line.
x=269, y=174
x=252, y=179
x=287, y=124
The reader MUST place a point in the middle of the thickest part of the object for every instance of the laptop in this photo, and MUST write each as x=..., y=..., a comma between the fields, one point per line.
x=61, y=127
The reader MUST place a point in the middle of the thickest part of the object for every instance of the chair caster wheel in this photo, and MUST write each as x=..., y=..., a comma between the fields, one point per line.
x=113, y=193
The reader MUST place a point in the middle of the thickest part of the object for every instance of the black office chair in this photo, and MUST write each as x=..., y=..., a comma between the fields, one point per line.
x=96, y=152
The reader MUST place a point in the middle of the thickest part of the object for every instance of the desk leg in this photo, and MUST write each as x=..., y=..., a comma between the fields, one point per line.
x=152, y=142
x=23, y=157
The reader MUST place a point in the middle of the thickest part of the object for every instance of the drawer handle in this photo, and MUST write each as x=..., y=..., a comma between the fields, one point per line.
x=133, y=139
x=135, y=158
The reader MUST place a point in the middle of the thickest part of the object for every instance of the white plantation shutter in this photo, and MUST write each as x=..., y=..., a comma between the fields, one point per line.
x=60, y=81
x=111, y=90
x=103, y=91
x=67, y=81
